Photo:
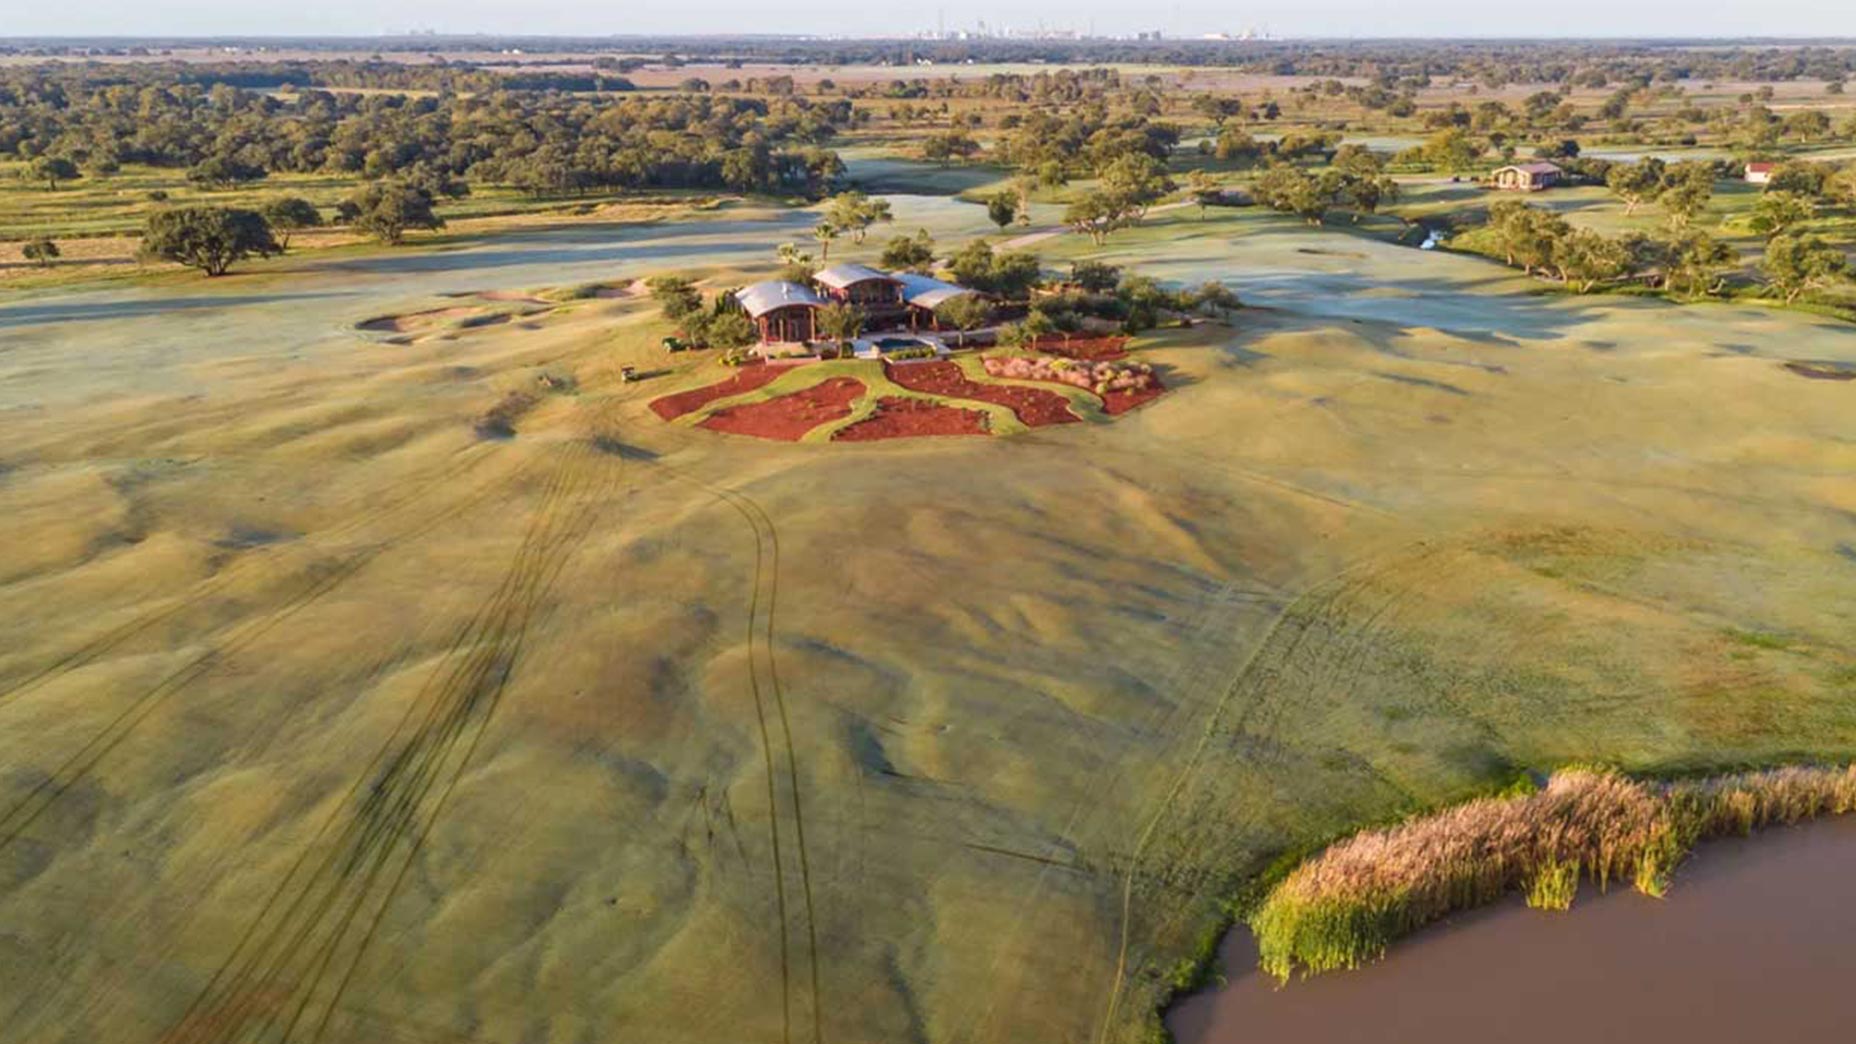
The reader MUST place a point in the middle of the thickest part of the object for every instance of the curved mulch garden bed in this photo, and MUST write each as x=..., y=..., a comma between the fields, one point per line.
x=746, y=379
x=1116, y=403
x=1035, y=408
x=790, y=416
x=899, y=418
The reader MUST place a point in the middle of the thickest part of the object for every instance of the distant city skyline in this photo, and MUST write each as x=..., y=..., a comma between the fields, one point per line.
x=1184, y=19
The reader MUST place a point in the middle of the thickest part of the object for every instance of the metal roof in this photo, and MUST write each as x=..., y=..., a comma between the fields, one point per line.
x=762, y=298
x=928, y=292
x=1535, y=168
x=840, y=276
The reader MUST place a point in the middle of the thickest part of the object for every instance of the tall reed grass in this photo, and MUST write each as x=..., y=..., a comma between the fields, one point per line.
x=1344, y=906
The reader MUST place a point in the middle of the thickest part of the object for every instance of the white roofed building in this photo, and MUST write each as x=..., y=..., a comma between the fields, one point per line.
x=782, y=311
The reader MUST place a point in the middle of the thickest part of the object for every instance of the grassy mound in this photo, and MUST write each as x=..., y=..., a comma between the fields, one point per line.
x=1345, y=906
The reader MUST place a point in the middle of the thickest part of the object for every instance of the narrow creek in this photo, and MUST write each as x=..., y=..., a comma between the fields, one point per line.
x=1755, y=942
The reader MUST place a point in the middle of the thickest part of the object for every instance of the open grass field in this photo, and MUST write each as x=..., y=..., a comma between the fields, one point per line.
x=329, y=711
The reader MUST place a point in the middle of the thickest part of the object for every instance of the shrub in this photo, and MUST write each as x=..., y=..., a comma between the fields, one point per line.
x=1099, y=377
x=731, y=330
x=42, y=250
x=678, y=297
x=499, y=421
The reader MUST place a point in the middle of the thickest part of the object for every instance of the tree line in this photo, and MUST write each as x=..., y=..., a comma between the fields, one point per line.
x=541, y=142
x=1686, y=261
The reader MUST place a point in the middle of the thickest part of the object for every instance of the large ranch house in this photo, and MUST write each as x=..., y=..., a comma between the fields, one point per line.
x=786, y=313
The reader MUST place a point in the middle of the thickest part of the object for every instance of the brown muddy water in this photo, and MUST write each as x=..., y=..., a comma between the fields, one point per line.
x=1755, y=943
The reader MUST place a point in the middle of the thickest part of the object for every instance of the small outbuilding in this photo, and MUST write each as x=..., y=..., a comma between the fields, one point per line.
x=1528, y=177
x=1759, y=173
x=783, y=312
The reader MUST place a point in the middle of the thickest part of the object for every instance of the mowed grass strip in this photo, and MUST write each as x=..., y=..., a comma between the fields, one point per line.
x=1345, y=906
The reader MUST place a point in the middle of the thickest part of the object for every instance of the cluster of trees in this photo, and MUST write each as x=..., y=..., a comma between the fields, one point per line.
x=1689, y=261
x=1123, y=192
x=719, y=324
x=1356, y=181
x=1235, y=145
x=909, y=253
x=1103, y=293
x=213, y=239
x=849, y=214
x=949, y=146
x=1084, y=141
x=1682, y=190
x=1008, y=274
x=540, y=141
x=1056, y=87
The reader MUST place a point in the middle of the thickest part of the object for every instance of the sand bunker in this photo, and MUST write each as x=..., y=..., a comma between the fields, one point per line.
x=518, y=296
x=419, y=322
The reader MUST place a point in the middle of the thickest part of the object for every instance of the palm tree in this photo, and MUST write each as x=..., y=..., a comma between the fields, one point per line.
x=824, y=232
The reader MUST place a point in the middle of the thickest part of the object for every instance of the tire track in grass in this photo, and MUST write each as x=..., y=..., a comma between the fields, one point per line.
x=219, y=581
x=752, y=510
x=406, y=771
x=20, y=816
x=287, y=975
x=1338, y=651
x=766, y=688
x=759, y=632
x=1255, y=687
x=1191, y=675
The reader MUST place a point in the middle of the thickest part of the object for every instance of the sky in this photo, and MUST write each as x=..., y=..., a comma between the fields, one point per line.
x=1289, y=18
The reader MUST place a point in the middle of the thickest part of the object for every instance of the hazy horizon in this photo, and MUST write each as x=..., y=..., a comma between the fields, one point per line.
x=1319, y=19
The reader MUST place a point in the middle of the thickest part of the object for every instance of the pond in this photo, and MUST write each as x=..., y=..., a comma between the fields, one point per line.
x=1752, y=944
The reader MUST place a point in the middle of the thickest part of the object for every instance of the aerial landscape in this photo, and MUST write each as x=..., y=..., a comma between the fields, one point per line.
x=956, y=526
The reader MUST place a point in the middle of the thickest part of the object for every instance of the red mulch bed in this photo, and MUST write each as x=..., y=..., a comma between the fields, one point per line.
x=789, y=416
x=898, y=418
x=1086, y=348
x=1116, y=403
x=1035, y=408
x=746, y=379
